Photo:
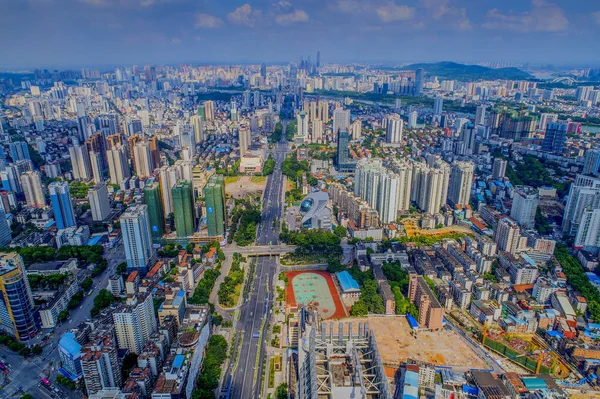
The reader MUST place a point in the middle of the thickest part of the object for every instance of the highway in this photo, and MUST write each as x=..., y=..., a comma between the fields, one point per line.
x=255, y=312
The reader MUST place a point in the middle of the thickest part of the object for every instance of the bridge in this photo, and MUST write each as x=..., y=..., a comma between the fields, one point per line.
x=260, y=250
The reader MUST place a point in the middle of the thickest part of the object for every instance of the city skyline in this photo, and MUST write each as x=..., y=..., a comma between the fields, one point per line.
x=106, y=32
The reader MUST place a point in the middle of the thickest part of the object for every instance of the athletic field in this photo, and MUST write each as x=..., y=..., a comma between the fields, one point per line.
x=317, y=289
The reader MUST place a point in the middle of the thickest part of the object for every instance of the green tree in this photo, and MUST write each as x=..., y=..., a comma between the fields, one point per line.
x=359, y=308
x=62, y=316
x=26, y=396
x=340, y=231
x=281, y=392
x=122, y=268
x=87, y=283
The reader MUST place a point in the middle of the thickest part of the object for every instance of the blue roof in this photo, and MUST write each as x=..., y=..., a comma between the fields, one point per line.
x=411, y=378
x=411, y=321
x=533, y=383
x=178, y=298
x=593, y=278
x=410, y=392
x=470, y=390
x=94, y=240
x=178, y=361
x=554, y=334
x=347, y=282
x=68, y=343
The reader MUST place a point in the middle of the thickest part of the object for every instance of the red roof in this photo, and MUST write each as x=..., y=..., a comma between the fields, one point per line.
x=132, y=276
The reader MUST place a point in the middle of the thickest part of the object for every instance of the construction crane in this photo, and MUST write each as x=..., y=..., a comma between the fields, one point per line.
x=539, y=360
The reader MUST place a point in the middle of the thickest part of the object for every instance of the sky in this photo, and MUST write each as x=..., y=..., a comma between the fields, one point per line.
x=102, y=33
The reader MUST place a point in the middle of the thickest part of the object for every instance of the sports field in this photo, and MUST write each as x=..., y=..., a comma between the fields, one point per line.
x=315, y=289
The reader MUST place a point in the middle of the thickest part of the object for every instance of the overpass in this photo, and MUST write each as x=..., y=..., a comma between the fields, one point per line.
x=260, y=250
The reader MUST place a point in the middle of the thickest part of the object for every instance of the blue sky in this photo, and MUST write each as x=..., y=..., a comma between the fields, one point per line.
x=75, y=33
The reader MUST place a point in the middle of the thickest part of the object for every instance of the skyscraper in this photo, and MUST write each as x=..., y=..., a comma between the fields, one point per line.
x=341, y=120
x=588, y=234
x=142, y=159
x=153, y=199
x=344, y=163
x=80, y=160
x=96, y=164
x=524, y=206
x=99, y=203
x=324, y=111
x=69, y=351
x=583, y=194
x=118, y=167
x=499, y=168
x=404, y=170
x=32, y=187
x=16, y=302
x=393, y=131
x=556, y=135
x=187, y=136
x=412, y=120
x=545, y=119
x=135, y=322
x=214, y=195
x=60, y=197
x=244, y=136
x=198, y=125
x=507, y=235
x=5, y=231
x=137, y=237
x=209, y=110
x=317, y=131
x=419, y=82
x=430, y=186
x=183, y=209
x=18, y=151
x=438, y=105
x=302, y=127
x=461, y=180
x=480, y=115
x=169, y=176
x=100, y=363
x=591, y=163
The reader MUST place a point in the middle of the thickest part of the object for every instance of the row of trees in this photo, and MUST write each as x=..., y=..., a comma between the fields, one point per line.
x=276, y=136
x=269, y=166
x=313, y=245
x=229, y=285
x=208, y=381
x=204, y=287
x=103, y=300
x=246, y=217
x=398, y=280
x=293, y=168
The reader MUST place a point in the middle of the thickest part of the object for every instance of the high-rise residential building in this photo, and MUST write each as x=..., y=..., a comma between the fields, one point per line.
x=430, y=185
x=524, y=206
x=69, y=351
x=5, y=231
x=324, y=111
x=438, y=105
x=583, y=194
x=591, y=163
x=198, y=125
x=17, y=317
x=545, y=119
x=153, y=199
x=214, y=195
x=99, y=202
x=137, y=237
x=80, y=160
x=387, y=197
x=555, y=138
x=588, y=234
x=118, y=167
x=355, y=130
x=499, y=168
x=412, y=120
x=96, y=164
x=62, y=205
x=142, y=159
x=169, y=176
x=404, y=170
x=312, y=111
x=183, y=208
x=301, y=126
x=32, y=187
x=18, y=151
x=393, y=131
x=135, y=321
x=344, y=162
x=583, y=92
x=10, y=178
x=507, y=235
x=431, y=312
x=341, y=120
x=244, y=136
x=461, y=181
x=187, y=136
x=480, y=115
x=209, y=110
x=317, y=131
x=100, y=363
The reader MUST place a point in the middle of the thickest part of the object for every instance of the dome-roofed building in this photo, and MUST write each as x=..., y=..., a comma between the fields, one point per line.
x=315, y=211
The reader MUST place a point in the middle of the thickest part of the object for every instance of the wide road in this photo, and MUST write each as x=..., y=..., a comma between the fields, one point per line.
x=255, y=312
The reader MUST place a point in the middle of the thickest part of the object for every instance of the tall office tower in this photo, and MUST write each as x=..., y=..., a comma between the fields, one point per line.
x=96, y=164
x=318, y=59
x=507, y=235
x=5, y=231
x=324, y=111
x=355, y=130
x=156, y=214
x=209, y=110
x=430, y=186
x=341, y=120
x=588, y=234
x=583, y=92
x=317, y=132
x=583, y=194
x=80, y=160
x=263, y=71
x=524, y=206
x=556, y=135
x=135, y=322
x=183, y=209
x=461, y=180
x=591, y=163
x=118, y=167
x=17, y=306
x=99, y=203
x=187, y=136
x=214, y=194
x=198, y=125
x=302, y=126
x=18, y=151
x=169, y=176
x=387, y=197
x=32, y=186
x=438, y=105
x=412, y=120
x=60, y=197
x=545, y=119
x=137, y=237
x=344, y=162
x=480, y=115
x=499, y=168
x=244, y=137
x=404, y=170
x=100, y=364
x=419, y=82
x=142, y=159
x=393, y=131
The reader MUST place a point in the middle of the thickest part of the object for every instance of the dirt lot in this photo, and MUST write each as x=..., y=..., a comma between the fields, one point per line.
x=395, y=344
x=244, y=186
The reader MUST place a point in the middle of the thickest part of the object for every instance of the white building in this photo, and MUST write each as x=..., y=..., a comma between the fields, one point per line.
x=99, y=203
x=134, y=322
x=118, y=167
x=80, y=160
x=32, y=187
x=588, y=234
x=137, y=238
x=461, y=181
x=524, y=206
x=341, y=120
x=393, y=132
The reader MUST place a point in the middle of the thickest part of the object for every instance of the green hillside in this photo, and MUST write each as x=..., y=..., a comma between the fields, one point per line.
x=452, y=70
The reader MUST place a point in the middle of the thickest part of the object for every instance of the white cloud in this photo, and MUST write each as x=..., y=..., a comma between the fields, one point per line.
x=351, y=6
x=439, y=8
x=392, y=12
x=596, y=17
x=292, y=17
x=244, y=15
x=207, y=21
x=543, y=17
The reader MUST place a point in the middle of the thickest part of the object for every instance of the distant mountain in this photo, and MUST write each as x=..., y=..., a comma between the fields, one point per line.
x=452, y=70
